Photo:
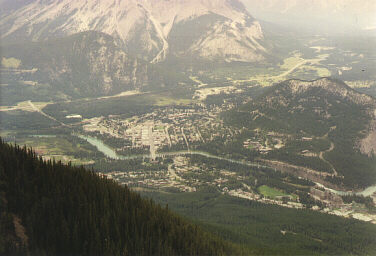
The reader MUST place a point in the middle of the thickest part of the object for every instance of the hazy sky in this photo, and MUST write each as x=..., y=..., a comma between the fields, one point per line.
x=340, y=15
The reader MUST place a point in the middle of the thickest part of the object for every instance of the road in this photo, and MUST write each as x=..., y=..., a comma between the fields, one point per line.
x=36, y=109
x=284, y=74
x=122, y=94
x=173, y=175
x=321, y=156
x=30, y=106
x=199, y=83
x=185, y=138
x=151, y=141
x=292, y=69
x=168, y=136
x=331, y=148
x=280, y=76
x=199, y=134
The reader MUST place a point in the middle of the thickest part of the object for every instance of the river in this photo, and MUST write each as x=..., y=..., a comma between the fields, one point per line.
x=106, y=150
x=111, y=153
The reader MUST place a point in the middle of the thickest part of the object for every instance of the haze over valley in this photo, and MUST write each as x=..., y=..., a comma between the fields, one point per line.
x=254, y=120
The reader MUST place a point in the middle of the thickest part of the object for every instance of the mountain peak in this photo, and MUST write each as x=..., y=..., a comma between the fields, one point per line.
x=330, y=85
x=219, y=28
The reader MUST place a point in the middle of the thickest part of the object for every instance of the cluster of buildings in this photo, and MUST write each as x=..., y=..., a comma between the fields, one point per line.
x=336, y=206
x=264, y=144
x=249, y=195
x=186, y=177
x=162, y=128
x=257, y=145
x=326, y=196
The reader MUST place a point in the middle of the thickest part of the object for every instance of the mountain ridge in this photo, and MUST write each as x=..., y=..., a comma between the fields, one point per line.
x=332, y=85
x=147, y=24
x=323, y=110
x=333, y=17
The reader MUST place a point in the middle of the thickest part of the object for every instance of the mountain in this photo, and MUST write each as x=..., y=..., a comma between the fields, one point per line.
x=87, y=64
x=336, y=16
x=149, y=29
x=64, y=49
x=48, y=208
x=337, y=121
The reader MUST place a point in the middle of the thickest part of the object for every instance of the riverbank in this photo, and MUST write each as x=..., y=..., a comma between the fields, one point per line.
x=111, y=153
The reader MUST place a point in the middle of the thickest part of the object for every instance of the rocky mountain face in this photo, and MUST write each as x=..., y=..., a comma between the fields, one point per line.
x=85, y=64
x=150, y=29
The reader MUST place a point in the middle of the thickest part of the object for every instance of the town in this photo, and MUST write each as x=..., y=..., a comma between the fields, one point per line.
x=164, y=129
x=183, y=176
x=168, y=132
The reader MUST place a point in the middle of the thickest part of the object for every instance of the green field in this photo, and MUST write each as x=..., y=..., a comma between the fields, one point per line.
x=243, y=72
x=59, y=148
x=291, y=66
x=167, y=101
x=270, y=192
x=127, y=106
x=290, y=62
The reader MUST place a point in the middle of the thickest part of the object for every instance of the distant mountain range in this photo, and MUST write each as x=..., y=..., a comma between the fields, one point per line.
x=151, y=30
x=334, y=16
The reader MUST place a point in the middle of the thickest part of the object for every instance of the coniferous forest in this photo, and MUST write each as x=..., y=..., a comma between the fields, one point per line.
x=48, y=208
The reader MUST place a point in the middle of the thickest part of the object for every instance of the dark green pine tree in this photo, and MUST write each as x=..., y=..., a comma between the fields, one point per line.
x=68, y=210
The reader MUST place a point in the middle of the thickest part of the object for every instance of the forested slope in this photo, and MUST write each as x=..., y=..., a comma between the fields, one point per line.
x=49, y=208
x=325, y=110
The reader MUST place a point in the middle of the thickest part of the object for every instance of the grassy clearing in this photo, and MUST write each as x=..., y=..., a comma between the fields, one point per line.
x=127, y=106
x=10, y=62
x=167, y=101
x=243, y=72
x=323, y=72
x=67, y=159
x=57, y=148
x=267, y=76
x=320, y=71
x=308, y=66
x=271, y=192
x=291, y=62
x=52, y=145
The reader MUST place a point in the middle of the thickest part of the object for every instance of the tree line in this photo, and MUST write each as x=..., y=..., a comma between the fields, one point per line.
x=67, y=210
